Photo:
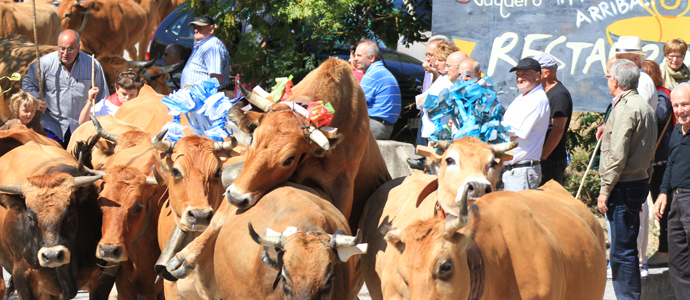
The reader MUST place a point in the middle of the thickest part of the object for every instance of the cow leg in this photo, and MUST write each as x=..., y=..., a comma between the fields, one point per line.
x=186, y=260
x=125, y=290
x=103, y=287
x=132, y=52
x=21, y=283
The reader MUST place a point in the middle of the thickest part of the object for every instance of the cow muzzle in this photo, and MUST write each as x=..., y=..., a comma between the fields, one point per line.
x=52, y=257
x=241, y=200
x=111, y=253
x=196, y=219
x=475, y=188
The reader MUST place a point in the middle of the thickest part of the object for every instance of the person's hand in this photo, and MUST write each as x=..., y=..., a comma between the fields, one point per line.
x=92, y=94
x=600, y=131
x=43, y=106
x=660, y=206
x=601, y=203
x=428, y=67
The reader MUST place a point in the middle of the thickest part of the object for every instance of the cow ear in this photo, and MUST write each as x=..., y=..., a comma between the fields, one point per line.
x=245, y=121
x=395, y=239
x=12, y=201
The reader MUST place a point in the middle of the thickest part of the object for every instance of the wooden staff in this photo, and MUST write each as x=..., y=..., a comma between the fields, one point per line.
x=577, y=196
x=38, y=57
x=93, y=82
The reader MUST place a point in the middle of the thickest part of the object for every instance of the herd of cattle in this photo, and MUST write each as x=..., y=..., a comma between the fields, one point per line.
x=298, y=214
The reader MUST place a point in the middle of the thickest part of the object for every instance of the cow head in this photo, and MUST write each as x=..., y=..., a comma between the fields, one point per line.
x=154, y=76
x=45, y=211
x=127, y=200
x=75, y=15
x=306, y=262
x=281, y=139
x=194, y=170
x=467, y=170
x=434, y=262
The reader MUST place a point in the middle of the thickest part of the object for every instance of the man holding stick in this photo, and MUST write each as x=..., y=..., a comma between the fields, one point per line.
x=68, y=77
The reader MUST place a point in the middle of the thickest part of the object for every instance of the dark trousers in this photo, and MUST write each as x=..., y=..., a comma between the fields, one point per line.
x=553, y=169
x=420, y=140
x=624, y=204
x=62, y=143
x=678, y=244
x=654, y=189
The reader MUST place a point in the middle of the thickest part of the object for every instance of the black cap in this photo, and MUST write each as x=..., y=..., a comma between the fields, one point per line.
x=203, y=20
x=527, y=63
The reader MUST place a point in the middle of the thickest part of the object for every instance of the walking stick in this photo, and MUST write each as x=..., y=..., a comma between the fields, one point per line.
x=38, y=58
x=577, y=196
x=93, y=82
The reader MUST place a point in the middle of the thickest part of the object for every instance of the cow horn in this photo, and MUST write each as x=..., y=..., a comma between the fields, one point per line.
x=86, y=180
x=170, y=68
x=500, y=149
x=80, y=163
x=101, y=132
x=96, y=172
x=261, y=103
x=463, y=218
x=443, y=145
x=230, y=173
x=319, y=138
x=267, y=241
x=12, y=189
x=232, y=143
x=156, y=179
x=342, y=240
x=161, y=145
x=142, y=64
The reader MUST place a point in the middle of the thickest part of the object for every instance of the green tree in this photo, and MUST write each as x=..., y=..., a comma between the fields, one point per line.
x=287, y=36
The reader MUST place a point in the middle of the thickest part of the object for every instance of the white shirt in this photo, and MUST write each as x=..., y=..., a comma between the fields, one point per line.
x=443, y=82
x=105, y=107
x=528, y=118
x=647, y=89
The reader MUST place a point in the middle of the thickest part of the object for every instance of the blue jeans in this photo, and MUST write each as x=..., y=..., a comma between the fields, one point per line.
x=624, y=204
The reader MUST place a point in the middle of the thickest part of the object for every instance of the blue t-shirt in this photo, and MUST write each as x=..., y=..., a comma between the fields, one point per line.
x=382, y=92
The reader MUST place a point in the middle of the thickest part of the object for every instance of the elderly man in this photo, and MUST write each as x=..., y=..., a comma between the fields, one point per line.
x=627, y=151
x=66, y=76
x=554, y=158
x=210, y=58
x=676, y=183
x=467, y=70
x=528, y=118
x=380, y=89
x=630, y=48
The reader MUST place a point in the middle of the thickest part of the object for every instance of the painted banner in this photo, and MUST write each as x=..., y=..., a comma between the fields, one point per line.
x=581, y=35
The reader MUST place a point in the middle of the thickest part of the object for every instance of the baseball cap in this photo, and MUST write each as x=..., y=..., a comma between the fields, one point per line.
x=203, y=20
x=527, y=63
x=546, y=61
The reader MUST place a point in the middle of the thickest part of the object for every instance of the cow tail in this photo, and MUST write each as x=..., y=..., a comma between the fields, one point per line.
x=10, y=289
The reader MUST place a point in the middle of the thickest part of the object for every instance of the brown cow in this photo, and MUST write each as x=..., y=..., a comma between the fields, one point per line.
x=312, y=263
x=16, y=54
x=533, y=244
x=107, y=27
x=468, y=169
x=148, y=112
x=17, y=18
x=20, y=135
x=50, y=222
x=347, y=168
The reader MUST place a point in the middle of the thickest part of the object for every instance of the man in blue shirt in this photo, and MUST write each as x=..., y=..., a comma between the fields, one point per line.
x=209, y=58
x=380, y=89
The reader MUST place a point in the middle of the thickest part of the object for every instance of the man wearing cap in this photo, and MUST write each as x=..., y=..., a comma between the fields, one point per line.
x=554, y=157
x=210, y=58
x=627, y=150
x=528, y=118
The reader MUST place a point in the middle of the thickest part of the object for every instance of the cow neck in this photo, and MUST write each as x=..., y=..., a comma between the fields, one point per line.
x=475, y=259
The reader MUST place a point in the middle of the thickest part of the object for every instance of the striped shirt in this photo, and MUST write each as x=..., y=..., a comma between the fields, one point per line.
x=65, y=92
x=382, y=92
x=208, y=57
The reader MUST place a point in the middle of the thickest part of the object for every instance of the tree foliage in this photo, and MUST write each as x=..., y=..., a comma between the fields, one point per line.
x=290, y=37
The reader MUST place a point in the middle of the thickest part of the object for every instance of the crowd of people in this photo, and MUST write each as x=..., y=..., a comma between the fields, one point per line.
x=643, y=138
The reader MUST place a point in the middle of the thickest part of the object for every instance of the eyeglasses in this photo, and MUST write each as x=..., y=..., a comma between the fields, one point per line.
x=429, y=55
x=69, y=50
x=607, y=77
x=674, y=57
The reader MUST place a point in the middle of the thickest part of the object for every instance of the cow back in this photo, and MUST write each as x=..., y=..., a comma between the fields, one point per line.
x=17, y=18
x=148, y=112
x=20, y=135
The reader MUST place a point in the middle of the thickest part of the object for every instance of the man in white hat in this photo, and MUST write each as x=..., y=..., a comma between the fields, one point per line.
x=630, y=48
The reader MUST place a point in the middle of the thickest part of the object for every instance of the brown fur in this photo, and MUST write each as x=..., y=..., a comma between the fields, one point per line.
x=16, y=18
x=128, y=136
x=20, y=135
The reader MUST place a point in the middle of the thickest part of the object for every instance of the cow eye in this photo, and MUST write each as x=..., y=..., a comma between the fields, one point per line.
x=31, y=219
x=289, y=161
x=138, y=208
x=218, y=173
x=493, y=164
x=450, y=161
x=176, y=173
x=445, y=267
x=68, y=15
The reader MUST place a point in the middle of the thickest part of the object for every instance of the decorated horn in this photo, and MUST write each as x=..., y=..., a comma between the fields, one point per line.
x=86, y=180
x=342, y=240
x=443, y=145
x=161, y=145
x=261, y=103
x=12, y=189
x=232, y=143
x=503, y=147
x=168, y=69
x=267, y=241
x=101, y=132
x=319, y=138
